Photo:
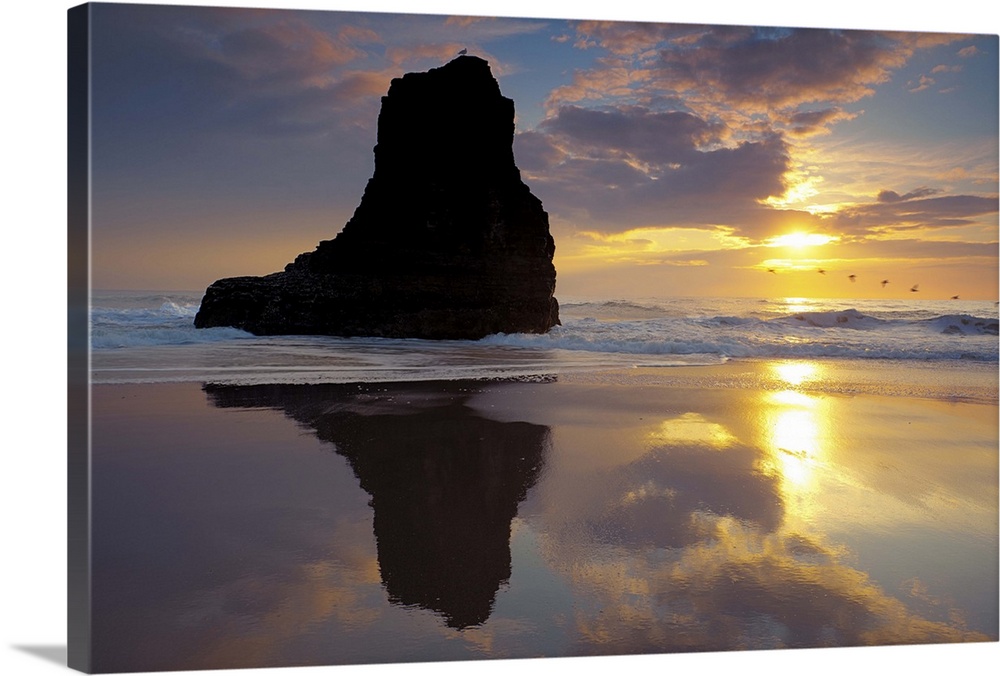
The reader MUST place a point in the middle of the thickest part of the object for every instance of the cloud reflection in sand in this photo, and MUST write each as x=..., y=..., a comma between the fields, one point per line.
x=715, y=538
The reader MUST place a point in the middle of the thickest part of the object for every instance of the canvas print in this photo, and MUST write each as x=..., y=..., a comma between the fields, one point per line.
x=408, y=338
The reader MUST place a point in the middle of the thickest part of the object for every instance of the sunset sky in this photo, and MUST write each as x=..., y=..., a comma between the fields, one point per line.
x=673, y=159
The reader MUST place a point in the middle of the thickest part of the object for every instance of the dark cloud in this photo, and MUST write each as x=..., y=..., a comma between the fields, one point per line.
x=808, y=123
x=893, y=196
x=781, y=69
x=860, y=249
x=913, y=210
x=635, y=132
x=744, y=71
x=535, y=152
x=766, y=87
x=613, y=169
x=630, y=166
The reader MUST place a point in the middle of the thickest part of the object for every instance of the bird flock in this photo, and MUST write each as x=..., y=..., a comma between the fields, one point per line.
x=854, y=278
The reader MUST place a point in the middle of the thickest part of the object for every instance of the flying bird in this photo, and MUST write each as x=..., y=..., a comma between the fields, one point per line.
x=463, y=51
x=954, y=297
x=771, y=270
x=914, y=288
x=884, y=282
x=853, y=278
x=821, y=271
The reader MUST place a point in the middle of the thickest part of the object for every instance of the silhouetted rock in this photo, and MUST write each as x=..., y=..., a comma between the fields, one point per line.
x=447, y=242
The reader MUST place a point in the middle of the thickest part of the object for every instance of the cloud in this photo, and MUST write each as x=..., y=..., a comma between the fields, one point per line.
x=465, y=21
x=633, y=38
x=786, y=68
x=900, y=250
x=892, y=196
x=924, y=83
x=763, y=93
x=736, y=72
x=264, y=72
x=630, y=166
x=969, y=51
x=634, y=132
x=814, y=122
x=907, y=213
x=600, y=84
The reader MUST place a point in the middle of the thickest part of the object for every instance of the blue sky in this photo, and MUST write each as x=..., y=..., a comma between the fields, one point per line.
x=668, y=155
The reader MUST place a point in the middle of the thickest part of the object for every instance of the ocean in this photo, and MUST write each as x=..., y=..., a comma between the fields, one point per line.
x=654, y=475
x=150, y=337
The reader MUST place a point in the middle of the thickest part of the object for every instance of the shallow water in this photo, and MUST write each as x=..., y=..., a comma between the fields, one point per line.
x=266, y=525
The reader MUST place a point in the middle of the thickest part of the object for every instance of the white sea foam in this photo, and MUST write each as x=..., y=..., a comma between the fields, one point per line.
x=839, y=333
x=844, y=319
x=964, y=324
x=152, y=337
x=140, y=320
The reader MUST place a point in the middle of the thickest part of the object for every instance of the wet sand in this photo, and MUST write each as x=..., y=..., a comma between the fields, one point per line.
x=746, y=506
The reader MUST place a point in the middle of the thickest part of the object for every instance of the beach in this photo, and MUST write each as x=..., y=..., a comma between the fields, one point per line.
x=742, y=505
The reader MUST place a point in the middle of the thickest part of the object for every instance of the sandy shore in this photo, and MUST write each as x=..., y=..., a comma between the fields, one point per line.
x=746, y=505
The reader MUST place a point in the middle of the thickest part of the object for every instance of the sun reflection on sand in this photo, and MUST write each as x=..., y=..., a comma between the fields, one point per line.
x=795, y=430
x=796, y=373
x=794, y=445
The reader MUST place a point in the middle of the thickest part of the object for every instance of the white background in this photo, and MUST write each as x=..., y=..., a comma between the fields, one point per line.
x=33, y=334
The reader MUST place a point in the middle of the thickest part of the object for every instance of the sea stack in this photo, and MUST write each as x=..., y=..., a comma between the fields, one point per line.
x=447, y=242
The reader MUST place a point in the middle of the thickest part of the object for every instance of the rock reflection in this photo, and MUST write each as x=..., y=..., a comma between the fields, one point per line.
x=445, y=483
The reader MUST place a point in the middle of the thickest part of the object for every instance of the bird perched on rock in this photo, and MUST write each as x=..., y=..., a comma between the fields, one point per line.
x=463, y=51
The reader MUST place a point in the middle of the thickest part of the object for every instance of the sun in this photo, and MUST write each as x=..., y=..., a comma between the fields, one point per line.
x=800, y=240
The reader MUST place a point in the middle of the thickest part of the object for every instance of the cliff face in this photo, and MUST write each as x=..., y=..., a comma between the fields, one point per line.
x=447, y=241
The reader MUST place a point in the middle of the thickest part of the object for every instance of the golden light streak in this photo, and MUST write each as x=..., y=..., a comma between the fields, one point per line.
x=796, y=372
x=796, y=195
x=794, y=445
x=799, y=240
